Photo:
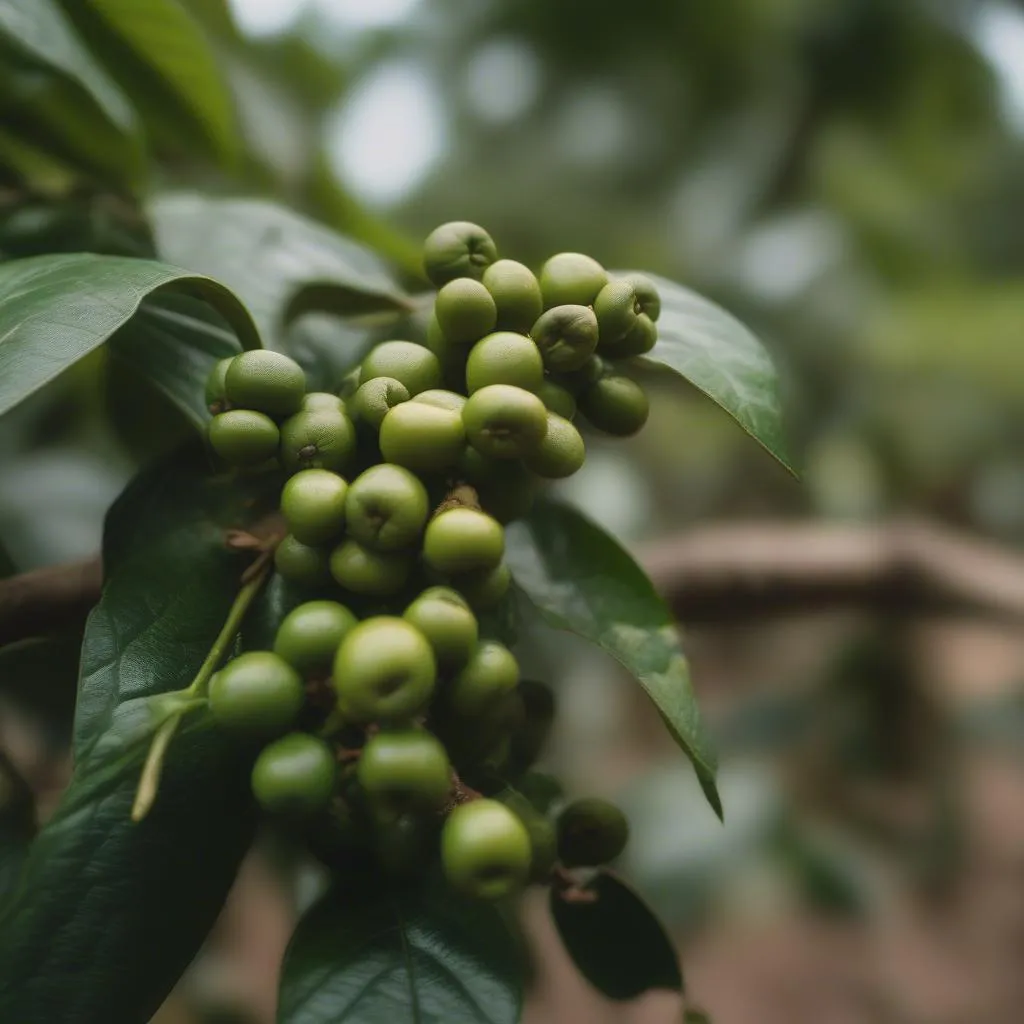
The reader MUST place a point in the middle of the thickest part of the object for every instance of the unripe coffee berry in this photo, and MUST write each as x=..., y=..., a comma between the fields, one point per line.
x=461, y=540
x=268, y=382
x=516, y=294
x=216, y=389
x=309, y=636
x=412, y=365
x=442, y=399
x=457, y=249
x=365, y=571
x=317, y=400
x=591, y=832
x=242, y=437
x=566, y=336
x=465, y=311
x=557, y=399
x=485, y=590
x=561, y=453
x=616, y=308
x=386, y=508
x=384, y=671
x=443, y=616
x=404, y=770
x=505, y=422
x=490, y=675
x=317, y=439
x=313, y=503
x=646, y=294
x=294, y=775
x=505, y=487
x=257, y=693
x=616, y=405
x=422, y=437
x=485, y=850
x=571, y=278
x=637, y=341
x=301, y=563
x=376, y=398
x=504, y=358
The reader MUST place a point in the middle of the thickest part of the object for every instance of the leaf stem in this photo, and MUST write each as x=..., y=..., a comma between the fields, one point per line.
x=194, y=695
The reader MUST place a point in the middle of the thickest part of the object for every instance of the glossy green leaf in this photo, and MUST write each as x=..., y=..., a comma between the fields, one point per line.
x=721, y=357
x=56, y=309
x=615, y=939
x=410, y=957
x=53, y=84
x=583, y=581
x=108, y=913
x=279, y=263
x=168, y=42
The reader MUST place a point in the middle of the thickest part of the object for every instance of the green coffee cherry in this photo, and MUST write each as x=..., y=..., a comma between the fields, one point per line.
x=295, y=775
x=566, y=336
x=302, y=564
x=505, y=487
x=557, y=399
x=317, y=439
x=646, y=295
x=465, y=311
x=485, y=590
x=374, y=399
x=485, y=850
x=616, y=405
x=637, y=341
x=216, y=388
x=452, y=358
x=490, y=675
x=242, y=437
x=505, y=422
x=616, y=308
x=257, y=693
x=444, y=618
x=543, y=791
x=313, y=503
x=405, y=845
x=384, y=671
x=516, y=294
x=442, y=399
x=461, y=540
x=412, y=365
x=268, y=382
x=504, y=358
x=319, y=400
x=457, y=249
x=579, y=380
x=403, y=771
x=422, y=437
x=591, y=832
x=561, y=453
x=531, y=734
x=365, y=571
x=386, y=508
x=543, y=841
x=570, y=278
x=309, y=635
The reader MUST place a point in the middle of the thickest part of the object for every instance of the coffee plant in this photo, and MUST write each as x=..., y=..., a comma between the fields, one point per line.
x=316, y=601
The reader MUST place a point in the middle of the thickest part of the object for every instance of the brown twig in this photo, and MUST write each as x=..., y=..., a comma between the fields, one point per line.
x=46, y=600
x=761, y=570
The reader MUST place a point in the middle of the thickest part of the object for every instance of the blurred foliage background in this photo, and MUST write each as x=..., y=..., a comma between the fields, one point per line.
x=846, y=177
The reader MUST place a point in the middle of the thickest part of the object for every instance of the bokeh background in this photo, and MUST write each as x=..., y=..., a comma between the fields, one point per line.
x=847, y=176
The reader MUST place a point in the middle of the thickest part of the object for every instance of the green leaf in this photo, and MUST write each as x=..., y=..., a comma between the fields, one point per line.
x=583, y=581
x=75, y=99
x=615, y=939
x=56, y=309
x=158, y=50
x=718, y=355
x=409, y=957
x=109, y=913
x=279, y=263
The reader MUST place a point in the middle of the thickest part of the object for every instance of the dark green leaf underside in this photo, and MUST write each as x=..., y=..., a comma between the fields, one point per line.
x=615, y=940
x=583, y=581
x=721, y=357
x=411, y=957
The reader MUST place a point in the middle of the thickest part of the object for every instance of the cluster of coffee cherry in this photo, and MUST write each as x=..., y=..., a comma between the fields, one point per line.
x=391, y=724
